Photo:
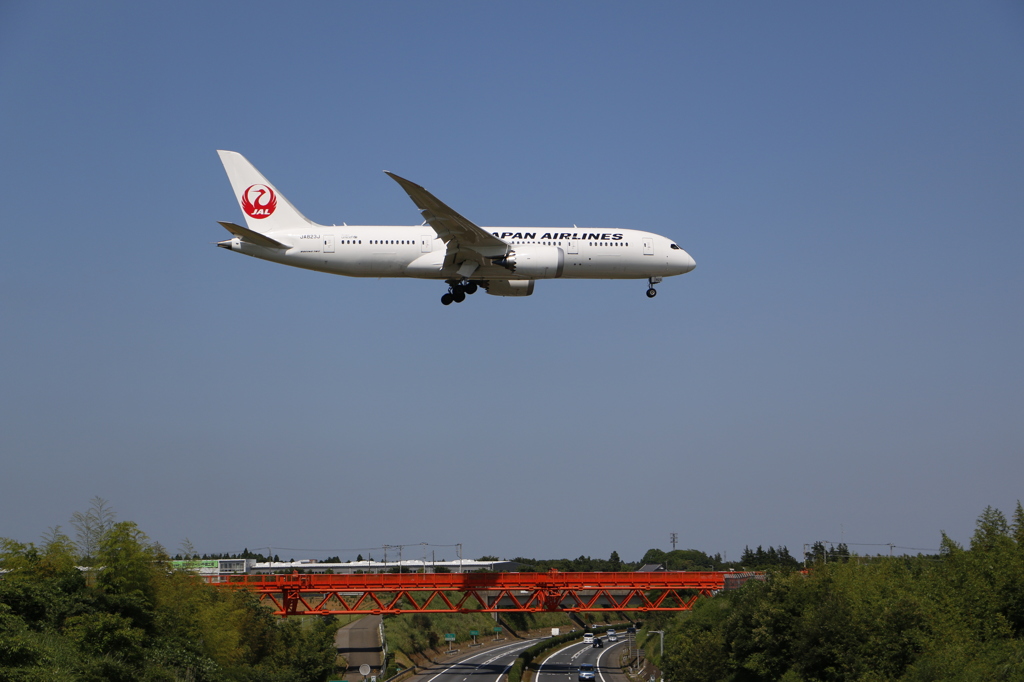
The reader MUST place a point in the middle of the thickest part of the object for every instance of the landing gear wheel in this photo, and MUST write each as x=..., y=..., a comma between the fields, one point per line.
x=651, y=281
x=459, y=295
x=470, y=288
x=447, y=299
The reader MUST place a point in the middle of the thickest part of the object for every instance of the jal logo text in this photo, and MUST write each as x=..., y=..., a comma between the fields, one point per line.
x=259, y=201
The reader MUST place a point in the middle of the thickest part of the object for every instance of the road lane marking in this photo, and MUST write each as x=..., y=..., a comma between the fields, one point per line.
x=540, y=668
x=598, y=664
x=489, y=651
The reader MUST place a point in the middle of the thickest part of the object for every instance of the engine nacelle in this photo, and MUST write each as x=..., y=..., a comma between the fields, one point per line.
x=508, y=287
x=538, y=262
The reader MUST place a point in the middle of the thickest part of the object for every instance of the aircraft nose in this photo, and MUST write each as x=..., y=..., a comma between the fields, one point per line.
x=688, y=262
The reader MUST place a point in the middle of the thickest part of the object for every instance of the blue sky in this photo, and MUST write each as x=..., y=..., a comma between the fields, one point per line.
x=844, y=364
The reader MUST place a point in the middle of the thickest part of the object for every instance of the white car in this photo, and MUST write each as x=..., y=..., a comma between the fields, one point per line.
x=588, y=638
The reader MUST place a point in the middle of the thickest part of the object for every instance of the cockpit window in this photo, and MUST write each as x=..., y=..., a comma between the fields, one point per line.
x=675, y=247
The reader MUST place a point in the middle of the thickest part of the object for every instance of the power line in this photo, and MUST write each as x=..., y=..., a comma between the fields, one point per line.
x=879, y=544
x=341, y=549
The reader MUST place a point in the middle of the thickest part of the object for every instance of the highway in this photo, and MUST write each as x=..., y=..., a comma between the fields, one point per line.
x=562, y=666
x=491, y=665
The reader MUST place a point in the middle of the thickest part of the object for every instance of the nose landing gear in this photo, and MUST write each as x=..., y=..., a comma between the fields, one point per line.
x=457, y=291
x=651, y=291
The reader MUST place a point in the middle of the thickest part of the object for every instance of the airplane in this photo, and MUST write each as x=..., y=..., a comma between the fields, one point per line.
x=504, y=261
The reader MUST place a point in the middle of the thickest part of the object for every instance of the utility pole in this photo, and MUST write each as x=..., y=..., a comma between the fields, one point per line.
x=673, y=537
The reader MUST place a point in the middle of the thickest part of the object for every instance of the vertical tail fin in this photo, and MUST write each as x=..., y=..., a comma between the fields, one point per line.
x=266, y=209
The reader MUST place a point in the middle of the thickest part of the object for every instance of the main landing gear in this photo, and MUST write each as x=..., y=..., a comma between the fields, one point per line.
x=457, y=291
x=652, y=292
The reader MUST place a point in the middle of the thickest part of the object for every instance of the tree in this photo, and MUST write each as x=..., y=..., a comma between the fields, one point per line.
x=991, y=530
x=188, y=551
x=1017, y=528
x=129, y=566
x=91, y=526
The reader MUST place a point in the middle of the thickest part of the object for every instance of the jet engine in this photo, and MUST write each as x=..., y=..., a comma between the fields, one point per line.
x=538, y=262
x=508, y=287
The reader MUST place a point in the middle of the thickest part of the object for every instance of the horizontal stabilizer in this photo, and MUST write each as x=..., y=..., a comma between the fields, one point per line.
x=247, y=235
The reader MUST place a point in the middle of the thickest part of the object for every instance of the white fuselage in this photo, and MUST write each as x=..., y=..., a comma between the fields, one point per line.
x=540, y=253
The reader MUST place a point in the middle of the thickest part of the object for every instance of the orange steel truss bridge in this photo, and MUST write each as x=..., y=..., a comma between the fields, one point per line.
x=385, y=593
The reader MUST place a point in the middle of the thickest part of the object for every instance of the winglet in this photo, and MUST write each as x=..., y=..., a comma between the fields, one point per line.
x=247, y=235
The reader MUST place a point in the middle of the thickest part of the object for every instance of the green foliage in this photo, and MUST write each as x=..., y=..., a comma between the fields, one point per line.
x=525, y=622
x=90, y=527
x=515, y=673
x=760, y=559
x=133, y=618
x=414, y=633
x=684, y=560
x=957, y=616
x=819, y=554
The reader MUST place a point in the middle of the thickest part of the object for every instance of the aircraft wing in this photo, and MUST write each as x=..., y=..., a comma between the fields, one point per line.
x=449, y=225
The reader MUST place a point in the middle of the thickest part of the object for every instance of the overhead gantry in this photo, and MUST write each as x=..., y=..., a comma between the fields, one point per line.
x=388, y=593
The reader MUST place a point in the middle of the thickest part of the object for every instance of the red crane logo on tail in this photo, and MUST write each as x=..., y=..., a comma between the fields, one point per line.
x=259, y=201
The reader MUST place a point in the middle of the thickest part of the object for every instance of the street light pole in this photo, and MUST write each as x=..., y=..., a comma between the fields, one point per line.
x=662, y=633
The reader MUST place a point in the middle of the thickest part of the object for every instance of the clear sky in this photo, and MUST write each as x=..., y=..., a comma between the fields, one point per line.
x=845, y=363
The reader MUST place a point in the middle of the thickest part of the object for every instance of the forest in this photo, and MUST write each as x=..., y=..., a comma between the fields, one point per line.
x=130, y=617
x=958, y=615
x=107, y=606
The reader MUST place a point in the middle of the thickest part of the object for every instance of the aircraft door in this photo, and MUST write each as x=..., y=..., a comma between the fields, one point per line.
x=328, y=243
x=648, y=246
x=426, y=242
x=574, y=247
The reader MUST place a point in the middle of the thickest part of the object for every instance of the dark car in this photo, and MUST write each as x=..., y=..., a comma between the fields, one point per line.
x=598, y=643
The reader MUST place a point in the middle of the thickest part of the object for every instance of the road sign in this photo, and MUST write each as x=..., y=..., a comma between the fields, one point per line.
x=497, y=629
x=449, y=636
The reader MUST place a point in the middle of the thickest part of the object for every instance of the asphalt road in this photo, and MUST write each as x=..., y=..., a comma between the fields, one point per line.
x=359, y=642
x=563, y=666
x=489, y=665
